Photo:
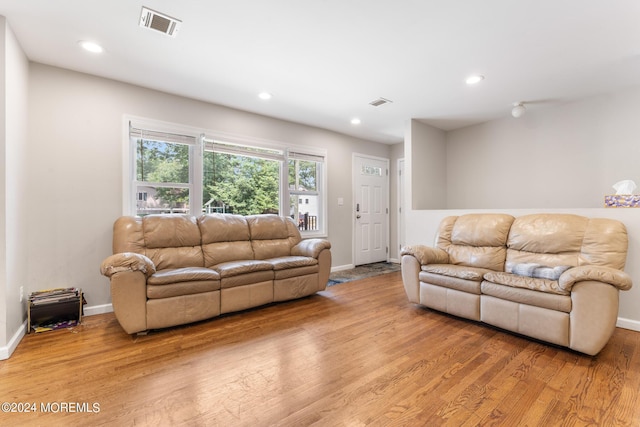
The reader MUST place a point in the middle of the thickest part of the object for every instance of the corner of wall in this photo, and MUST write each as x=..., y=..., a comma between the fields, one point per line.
x=425, y=162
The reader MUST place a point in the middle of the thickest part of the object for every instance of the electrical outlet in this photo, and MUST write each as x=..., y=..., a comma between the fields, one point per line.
x=21, y=293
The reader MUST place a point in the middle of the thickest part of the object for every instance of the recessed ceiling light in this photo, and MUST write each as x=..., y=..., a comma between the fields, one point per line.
x=355, y=121
x=265, y=95
x=91, y=46
x=471, y=80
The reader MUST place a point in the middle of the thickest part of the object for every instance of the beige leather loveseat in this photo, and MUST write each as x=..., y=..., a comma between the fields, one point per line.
x=553, y=277
x=174, y=269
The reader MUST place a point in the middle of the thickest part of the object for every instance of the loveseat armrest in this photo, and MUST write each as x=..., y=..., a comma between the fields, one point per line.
x=611, y=276
x=426, y=254
x=310, y=247
x=127, y=261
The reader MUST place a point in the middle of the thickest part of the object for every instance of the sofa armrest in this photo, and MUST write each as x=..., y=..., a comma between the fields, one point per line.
x=426, y=255
x=611, y=276
x=127, y=261
x=411, y=277
x=310, y=247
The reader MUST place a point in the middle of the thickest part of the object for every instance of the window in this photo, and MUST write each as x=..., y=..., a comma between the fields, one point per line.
x=162, y=177
x=241, y=179
x=371, y=170
x=305, y=177
x=187, y=171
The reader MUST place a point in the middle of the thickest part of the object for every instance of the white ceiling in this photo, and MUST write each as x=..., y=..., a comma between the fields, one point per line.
x=325, y=60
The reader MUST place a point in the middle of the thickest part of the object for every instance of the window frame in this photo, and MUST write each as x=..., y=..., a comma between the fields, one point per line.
x=198, y=141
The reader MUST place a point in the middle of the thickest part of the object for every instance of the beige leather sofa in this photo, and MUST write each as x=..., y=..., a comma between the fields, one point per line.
x=553, y=277
x=174, y=269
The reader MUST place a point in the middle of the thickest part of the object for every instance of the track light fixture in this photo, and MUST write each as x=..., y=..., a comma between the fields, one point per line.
x=518, y=109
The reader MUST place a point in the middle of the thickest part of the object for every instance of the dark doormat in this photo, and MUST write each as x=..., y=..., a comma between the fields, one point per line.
x=362, y=272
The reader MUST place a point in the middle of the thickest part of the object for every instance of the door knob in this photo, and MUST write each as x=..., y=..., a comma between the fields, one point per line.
x=358, y=216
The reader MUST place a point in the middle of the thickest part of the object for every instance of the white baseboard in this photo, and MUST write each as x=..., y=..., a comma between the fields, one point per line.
x=98, y=309
x=633, y=325
x=7, y=351
x=342, y=267
x=350, y=266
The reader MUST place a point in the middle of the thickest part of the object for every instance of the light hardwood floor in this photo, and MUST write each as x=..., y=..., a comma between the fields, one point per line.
x=356, y=354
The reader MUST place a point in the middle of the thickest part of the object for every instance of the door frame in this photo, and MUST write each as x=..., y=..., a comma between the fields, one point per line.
x=353, y=203
x=401, y=211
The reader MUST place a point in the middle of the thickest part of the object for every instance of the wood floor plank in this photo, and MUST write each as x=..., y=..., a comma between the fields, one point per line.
x=357, y=354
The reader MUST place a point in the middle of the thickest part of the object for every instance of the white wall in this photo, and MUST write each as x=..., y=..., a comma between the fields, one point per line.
x=13, y=162
x=75, y=164
x=4, y=285
x=554, y=159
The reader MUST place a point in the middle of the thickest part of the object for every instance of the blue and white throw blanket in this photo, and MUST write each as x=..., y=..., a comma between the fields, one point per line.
x=531, y=269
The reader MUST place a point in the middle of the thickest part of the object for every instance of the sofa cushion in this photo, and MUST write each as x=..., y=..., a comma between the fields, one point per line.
x=172, y=241
x=481, y=230
x=182, y=281
x=566, y=239
x=527, y=296
x=283, y=263
x=182, y=288
x=236, y=268
x=221, y=252
x=449, y=282
x=605, y=244
x=225, y=238
x=188, y=274
x=170, y=231
x=459, y=271
x=548, y=233
x=272, y=236
x=476, y=240
x=223, y=228
x=524, y=282
x=458, y=277
x=293, y=266
x=128, y=235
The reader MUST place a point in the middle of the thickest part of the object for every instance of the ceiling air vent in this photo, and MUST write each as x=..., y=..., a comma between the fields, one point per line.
x=380, y=101
x=159, y=22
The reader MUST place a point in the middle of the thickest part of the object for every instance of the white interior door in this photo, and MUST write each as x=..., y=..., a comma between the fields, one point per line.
x=371, y=210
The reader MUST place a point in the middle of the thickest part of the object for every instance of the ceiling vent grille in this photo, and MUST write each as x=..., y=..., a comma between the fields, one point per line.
x=380, y=101
x=159, y=22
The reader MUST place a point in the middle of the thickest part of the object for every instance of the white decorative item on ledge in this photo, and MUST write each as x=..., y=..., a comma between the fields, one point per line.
x=624, y=197
x=625, y=187
x=622, y=201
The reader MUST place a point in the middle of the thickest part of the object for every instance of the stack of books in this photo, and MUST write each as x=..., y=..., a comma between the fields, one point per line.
x=55, y=309
x=54, y=295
